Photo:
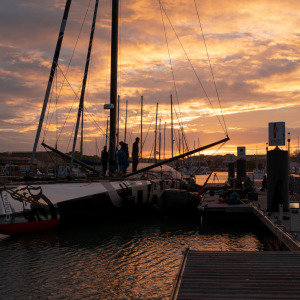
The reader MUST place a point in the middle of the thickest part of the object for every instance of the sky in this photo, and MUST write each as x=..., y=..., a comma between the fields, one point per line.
x=246, y=77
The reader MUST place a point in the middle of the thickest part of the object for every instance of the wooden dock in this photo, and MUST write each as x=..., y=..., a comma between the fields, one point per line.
x=238, y=275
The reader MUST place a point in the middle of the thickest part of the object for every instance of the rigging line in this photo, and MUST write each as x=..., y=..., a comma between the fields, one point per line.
x=65, y=75
x=170, y=60
x=182, y=129
x=76, y=97
x=47, y=116
x=131, y=129
x=91, y=118
x=48, y=122
x=70, y=138
x=143, y=142
x=74, y=48
x=206, y=95
x=211, y=70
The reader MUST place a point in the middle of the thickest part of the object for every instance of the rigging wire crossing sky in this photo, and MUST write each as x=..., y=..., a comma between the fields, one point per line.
x=241, y=74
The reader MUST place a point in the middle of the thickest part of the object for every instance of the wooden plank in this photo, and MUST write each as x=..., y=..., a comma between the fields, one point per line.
x=239, y=275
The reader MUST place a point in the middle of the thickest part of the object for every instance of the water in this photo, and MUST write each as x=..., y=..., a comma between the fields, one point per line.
x=125, y=260
x=216, y=177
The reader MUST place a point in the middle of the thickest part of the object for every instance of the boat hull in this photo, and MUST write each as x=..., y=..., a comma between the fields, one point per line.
x=28, y=227
x=68, y=203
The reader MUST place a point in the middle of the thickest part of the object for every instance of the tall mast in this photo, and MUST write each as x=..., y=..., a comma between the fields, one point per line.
x=165, y=140
x=81, y=140
x=142, y=103
x=118, y=118
x=155, y=134
x=113, y=85
x=172, y=139
x=52, y=72
x=125, y=122
x=159, y=140
x=80, y=108
x=106, y=134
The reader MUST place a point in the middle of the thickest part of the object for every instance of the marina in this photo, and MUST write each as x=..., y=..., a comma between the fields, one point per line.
x=158, y=222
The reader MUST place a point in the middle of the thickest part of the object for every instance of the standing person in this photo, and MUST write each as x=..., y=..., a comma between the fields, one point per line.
x=264, y=183
x=104, y=158
x=122, y=159
x=135, y=154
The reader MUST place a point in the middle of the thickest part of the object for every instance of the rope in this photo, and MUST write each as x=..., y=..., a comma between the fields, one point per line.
x=172, y=71
x=211, y=70
x=206, y=95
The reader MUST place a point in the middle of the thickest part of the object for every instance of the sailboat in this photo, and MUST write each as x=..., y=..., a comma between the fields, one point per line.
x=30, y=208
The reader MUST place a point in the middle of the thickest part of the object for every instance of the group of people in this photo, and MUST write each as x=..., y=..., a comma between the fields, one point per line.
x=122, y=157
x=230, y=194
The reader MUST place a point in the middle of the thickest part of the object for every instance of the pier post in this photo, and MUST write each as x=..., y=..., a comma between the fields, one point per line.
x=277, y=189
x=231, y=170
x=241, y=169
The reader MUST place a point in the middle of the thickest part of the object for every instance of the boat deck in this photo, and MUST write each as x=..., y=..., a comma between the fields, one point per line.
x=238, y=275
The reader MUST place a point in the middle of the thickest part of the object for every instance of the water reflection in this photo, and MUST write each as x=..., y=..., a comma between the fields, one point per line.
x=125, y=260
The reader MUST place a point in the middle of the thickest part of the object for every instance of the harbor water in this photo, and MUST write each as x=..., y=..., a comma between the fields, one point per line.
x=115, y=260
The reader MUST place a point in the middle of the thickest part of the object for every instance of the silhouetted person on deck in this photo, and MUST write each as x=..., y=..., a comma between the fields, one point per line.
x=104, y=158
x=122, y=159
x=135, y=154
x=264, y=183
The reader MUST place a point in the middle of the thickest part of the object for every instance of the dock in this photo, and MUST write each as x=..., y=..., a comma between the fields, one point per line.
x=279, y=226
x=244, y=274
x=238, y=275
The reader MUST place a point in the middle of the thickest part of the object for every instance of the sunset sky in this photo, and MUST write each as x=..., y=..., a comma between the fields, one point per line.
x=253, y=47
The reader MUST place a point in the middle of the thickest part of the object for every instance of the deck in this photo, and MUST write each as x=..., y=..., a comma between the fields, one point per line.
x=238, y=275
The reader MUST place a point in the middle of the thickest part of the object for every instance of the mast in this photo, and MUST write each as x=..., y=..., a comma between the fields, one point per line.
x=52, y=72
x=118, y=128
x=126, y=122
x=81, y=140
x=80, y=108
x=172, y=139
x=159, y=139
x=155, y=134
x=165, y=140
x=142, y=103
x=106, y=134
x=113, y=85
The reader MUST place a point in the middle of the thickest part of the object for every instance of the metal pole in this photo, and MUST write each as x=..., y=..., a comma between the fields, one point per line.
x=118, y=129
x=155, y=134
x=159, y=140
x=113, y=85
x=52, y=72
x=142, y=103
x=165, y=140
x=172, y=139
x=106, y=135
x=125, y=122
x=80, y=108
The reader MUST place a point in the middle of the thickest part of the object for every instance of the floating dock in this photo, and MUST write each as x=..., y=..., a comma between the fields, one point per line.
x=238, y=275
x=280, y=226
